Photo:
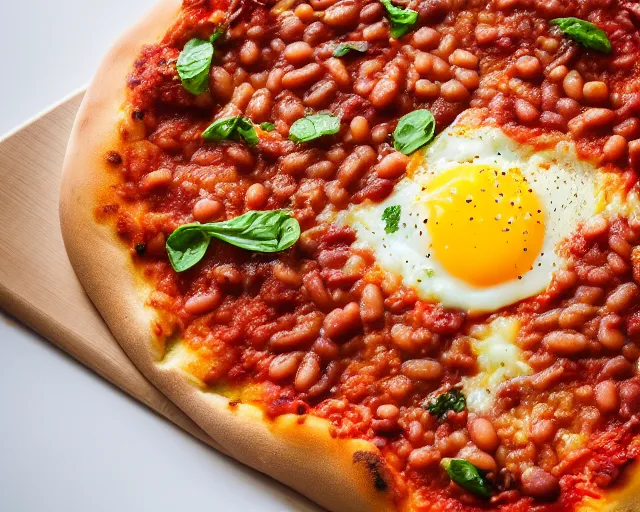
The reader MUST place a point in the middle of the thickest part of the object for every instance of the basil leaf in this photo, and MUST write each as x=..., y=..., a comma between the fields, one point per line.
x=391, y=217
x=584, y=33
x=453, y=400
x=467, y=476
x=401, y=20
x=217, y=34
x=314, y=126
x=268, y=127
x=343, y=48
x=414, y=130
x=231, y=128
x=193, y=65
x=261, y=231
x=186, y=246
x=246, y=130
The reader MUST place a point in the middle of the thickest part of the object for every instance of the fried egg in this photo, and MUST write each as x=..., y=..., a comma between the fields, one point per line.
x=482, y=217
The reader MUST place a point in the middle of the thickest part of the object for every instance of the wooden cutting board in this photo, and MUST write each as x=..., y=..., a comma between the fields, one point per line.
x=38, y=285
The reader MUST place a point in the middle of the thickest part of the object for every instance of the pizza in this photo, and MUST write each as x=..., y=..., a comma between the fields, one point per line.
x=386, y=252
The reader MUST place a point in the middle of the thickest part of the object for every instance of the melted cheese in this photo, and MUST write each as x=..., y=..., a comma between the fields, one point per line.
x=499, y=360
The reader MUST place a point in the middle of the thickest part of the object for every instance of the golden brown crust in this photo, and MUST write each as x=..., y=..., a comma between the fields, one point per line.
x=333, y=473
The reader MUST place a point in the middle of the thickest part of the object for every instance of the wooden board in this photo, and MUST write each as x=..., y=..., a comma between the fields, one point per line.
x=38, y=285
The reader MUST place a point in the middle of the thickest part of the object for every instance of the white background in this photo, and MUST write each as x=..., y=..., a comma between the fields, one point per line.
x=68, y=440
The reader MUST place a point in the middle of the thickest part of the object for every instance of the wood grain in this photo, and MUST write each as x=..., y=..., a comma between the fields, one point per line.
x=37, y=283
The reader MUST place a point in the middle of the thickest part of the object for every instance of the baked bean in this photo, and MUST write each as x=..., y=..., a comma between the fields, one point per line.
x=422, y=369
x=425, y=38
x=342, y=15
x=387, y=412
x=326, y=349
x=526, y=112
x=483, y=434
x=371, y=13
x=609, y=334
x=425, y=457
x=629, y=398
x=242, y=95
x=547, y=320
x=629, y=128
x=552, y=120
x=323, y=170
x=305, y=12
x=317, y=291
x=249, y=53
x=617, y=368
x=575, y=315
x=291, y=28
x=287, y=275
x=203, y=302
x=274, y=80
x=227, y=275
x=321, y=94
x=528, y=67
x=338, y=71
x=423, y=63
x=206, y=209
x=539, y=484
x=256, y=196
x=376, y=32
x=371, y=304
x=621, y=298
x=618, y=243
x=384, y=92
x=485, y=34
x=302, y=77
x=595, y=92
x=393, y=165
x=447, y=45
x=634, y=152
x=316, y=33
x=355, y=165
x=591, y=119
x=380, y=133
x=284, y=366
x=426, y=89
x=588, y=294
x=565, y=343
x=296, y=163
x=340, y=322
x=221, y=84
x=543, y=430
x=302, y=335
x=478, y=458
x=558, y=74
x=606, y=396
x=289, y=109
x=359, y=129
x=308, y=373
x=615, y=148
x=398, y=387
x=468, y=77
x=298, y=53
x=259, y=107
x=440, y=70
x=573, y=85
x=599, y=276
x=463, y=59
x=453, y=91
x=156, y=179
x=336, y=193
x=567, y=108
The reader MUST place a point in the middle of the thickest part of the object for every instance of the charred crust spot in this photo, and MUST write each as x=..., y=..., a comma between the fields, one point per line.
x=137, y=115
x=301, y=409
x=114, y=158
x=376, y=468
x=141, y=249
x=234, y=403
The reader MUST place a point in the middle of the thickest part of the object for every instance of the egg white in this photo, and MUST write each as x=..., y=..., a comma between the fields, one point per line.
x=570, y=189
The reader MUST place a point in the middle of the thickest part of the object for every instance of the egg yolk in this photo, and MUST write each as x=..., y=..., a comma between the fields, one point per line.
x=486, y=224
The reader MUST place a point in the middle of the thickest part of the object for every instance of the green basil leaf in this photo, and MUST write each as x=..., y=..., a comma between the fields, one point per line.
x=414, y=130
x=314, y=126
x=391, y=217
x=261, y=231
x=268, y=127
x=402, y=20
x=246, y=130
x=584, y=33
x=193, y=65
x=343, y=48
x=453, y=400
x=186, y=246
x=231, y=128
x=467, y=476
x=217, y=34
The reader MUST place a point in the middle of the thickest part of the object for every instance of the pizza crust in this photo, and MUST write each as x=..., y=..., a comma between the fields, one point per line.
x=298, y=451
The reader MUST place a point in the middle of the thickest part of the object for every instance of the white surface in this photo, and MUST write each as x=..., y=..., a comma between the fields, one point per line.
x=68, y=440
